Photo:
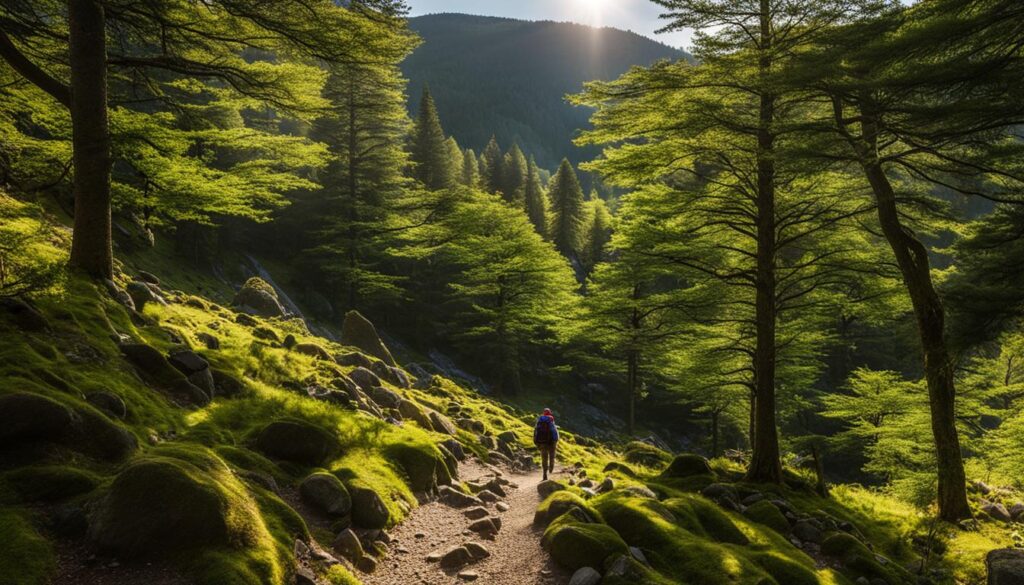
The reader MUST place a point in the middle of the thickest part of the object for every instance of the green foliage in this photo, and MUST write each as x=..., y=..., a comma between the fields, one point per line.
x=567, y=211
x=32, y=254
x=429, y=152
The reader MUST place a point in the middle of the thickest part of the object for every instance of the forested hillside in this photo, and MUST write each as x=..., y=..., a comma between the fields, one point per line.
x=509, y=78
x=260, y=323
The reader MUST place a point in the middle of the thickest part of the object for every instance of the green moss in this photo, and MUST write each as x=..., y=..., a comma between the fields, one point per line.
x=339, y=575
x=249, y=460
x=640, y=453
x=687, y=465
x=784, y=570
x=703, y=517
x=858, y=561
x=51, y=482
x=765, y=512
x=573, y=544
x=559, y=503
x=423, y=463
x=26, y=558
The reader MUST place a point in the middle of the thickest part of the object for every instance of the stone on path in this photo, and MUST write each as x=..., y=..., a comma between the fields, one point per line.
x=456, y=557
x=502, y=507
x=469, y=575
x=476, y=513
x=585, y=576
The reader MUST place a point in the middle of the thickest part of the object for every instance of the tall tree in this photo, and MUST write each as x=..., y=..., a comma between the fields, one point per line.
x=514, y=176
x=492, y=166
x=567, y=213
x=148, y=51
x=470, y=172
x=429, y=151
x=599, y=232
x=536, y=199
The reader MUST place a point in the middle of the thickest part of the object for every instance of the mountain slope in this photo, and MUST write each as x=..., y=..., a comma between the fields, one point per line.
x=509, y=77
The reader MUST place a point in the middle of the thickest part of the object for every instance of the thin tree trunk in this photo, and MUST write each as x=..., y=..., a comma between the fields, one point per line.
x=90, y=138
x=765, y=463
x=819, y=471
x=912, y=258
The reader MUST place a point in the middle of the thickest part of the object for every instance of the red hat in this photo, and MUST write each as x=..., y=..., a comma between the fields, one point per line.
x=547, y=411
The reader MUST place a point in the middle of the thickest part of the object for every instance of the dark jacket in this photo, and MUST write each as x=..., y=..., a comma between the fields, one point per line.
x=545, y=419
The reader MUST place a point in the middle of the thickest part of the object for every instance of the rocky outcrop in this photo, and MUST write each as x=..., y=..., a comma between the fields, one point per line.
x=357, y=331
x=259, y=298
x=296, y=440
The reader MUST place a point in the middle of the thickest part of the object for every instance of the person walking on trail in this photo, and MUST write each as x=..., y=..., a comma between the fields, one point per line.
x=545, y=436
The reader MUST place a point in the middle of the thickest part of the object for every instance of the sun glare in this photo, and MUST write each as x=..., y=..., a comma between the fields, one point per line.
x=591, y=11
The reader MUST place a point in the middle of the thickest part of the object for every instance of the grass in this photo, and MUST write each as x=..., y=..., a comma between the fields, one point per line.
x=26, y=557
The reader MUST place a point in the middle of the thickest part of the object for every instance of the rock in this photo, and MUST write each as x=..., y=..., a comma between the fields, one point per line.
x=606, y=485
x=468, y=575
x=486, y=526
x=640, y=491
x=296, y=440
x=208, y=340
x=457, y=499
x=1017, y=510
x=326, y=493
x=638, y=554
x=441, y=423
x=357, y=331
x=768, y=514
x=488, y=496
x=687, y=466
x=225, y=384
x=195, y=368
x=620, y=467
x=313, y=350
x=119, y=294
x=471, y=425
x=141, y=293
x=412, y=411
x=257, y=297
x=721, y=492
x=149, y=278
x=365, y=379
x=508, y=437
x=981, y=487
x=354, y=359
x=267, y=334
x=807, y=532
x=1005, y=566
x=476, y=513
x=585, y=576
x=305, y=576
x=502, y=507
x=367, y=564
x=24, y=316
x=368, y=509
x=246, y=320
x=455, y=557
x=175, y=498
x=109, y=403
x=477, y=551
x=33, y=419
x=347, y=545
x=155, y=369
x=385, y=398
x=752, y=499
x=455, y=448
x=574, y=546
x=997, y=511
x=548, y=487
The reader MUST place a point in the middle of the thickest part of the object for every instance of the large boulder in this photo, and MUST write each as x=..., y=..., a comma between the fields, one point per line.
x=364, y=378
x=368, y=509
x=175, y=499
x=258, y=297
x=357, y=331
x=423, y=465
x=195, y=368
x=1005, y=566
x=412, y=411
x=768, y=514
x=441, y=423
x=155, y=369
x=575, y=545
x=28, y=419
x=560, y=503
x=687, y=466
x=296, y=440
x=326, y=493
x=142, y=293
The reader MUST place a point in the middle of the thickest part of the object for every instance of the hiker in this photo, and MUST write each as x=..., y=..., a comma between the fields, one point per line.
x=545, y=436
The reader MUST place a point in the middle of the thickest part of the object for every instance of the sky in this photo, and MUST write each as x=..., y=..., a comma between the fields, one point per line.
x=639, y=16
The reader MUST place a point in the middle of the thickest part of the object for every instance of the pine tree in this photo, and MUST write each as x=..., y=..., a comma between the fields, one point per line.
x=567, y=213
x=599, y=232
x=470, y=171
x=492, y=167
x=536, y=199
x=513, y=177
x=429, y=151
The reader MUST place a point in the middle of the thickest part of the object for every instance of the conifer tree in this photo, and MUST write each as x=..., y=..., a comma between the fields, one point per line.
x=599, y=232
x=513, y=177
x=470, y=171
x=429, y=151
x=536, y=199
x=567, y=212
x=492, y=166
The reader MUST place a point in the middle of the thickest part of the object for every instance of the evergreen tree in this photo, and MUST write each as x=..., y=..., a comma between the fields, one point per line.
x=536, y=199
x=470, y=171
x=599, y=232
x=429, y=151
x=492, y=164
x=567, y=213
x=514, y=176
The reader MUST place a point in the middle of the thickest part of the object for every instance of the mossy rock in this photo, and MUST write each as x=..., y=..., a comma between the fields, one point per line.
x=258, y=296
x=423, y=464
x=326, y=493
x=176, y=498
x=615, y=466
x=785, y=570
x=573, y=544
x=50, y=483
x=560, y=503
x=703, y=517
x=298, y=441
x=357, y=331
x=27, y=419
x=858, y=561
x=768, y=514
x=26, y=557
x=368, y=508
x=641, y=453
x=687, y=465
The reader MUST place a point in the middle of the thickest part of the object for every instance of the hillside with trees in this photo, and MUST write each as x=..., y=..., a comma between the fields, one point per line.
x=261, y=323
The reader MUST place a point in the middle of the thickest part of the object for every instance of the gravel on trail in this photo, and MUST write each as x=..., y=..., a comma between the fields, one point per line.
x=516, y=556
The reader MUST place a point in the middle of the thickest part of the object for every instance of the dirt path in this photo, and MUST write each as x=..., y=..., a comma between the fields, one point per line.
x=516, y=557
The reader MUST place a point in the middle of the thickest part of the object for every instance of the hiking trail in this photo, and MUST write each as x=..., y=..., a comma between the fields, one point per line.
x=516, y=556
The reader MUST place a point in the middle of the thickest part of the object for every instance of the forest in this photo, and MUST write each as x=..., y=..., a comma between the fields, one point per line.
x=261, y=323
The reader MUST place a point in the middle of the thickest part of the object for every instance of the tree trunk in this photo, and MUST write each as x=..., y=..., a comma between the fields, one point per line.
x=765, y=463
x=90, y=138
x=819, y=471
x=912, y=258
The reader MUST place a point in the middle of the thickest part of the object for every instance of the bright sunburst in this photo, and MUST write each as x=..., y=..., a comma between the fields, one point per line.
x=590, y=11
